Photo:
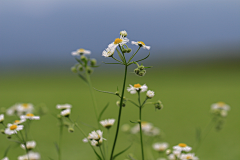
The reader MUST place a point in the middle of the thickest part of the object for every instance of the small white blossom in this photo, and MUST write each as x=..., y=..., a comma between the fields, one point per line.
x=161, y=147
x=16, y=122
x=108, y=52
x=64, y=106
x=189, y=156
x=95, y=135
x=182, y=147
x=12, y=129
x=107, y=123
x=5, y=158
x=123, y=33
x=80, y=51
x=66, y=112
x=30, y=116
x=30, y=156
x=150, y=94
x=1, y=118
x=141, y=44
x=118, y=41
x=220, y=106
x=137, y=87
x=24, y=108
x=29, y=144
x=85, y=140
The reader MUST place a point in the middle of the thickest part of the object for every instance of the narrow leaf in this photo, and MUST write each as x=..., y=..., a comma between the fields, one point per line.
x=144, y=58
x=122, y=151
x=79, y=61
x=112, y=63
x=6, y=151
x=120, y=55
x=148, y=67
x=83, y=78
x=100, y=115
x=104, y=91
x=56, y=146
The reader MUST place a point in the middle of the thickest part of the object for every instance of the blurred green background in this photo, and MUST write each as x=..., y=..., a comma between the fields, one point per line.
x=187, y=91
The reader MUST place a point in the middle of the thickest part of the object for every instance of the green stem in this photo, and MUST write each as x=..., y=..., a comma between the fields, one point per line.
x=133, y=55
x=140, y=123
x=60, y=139
x=101, y=152
x=93, y=97
x=120, y=112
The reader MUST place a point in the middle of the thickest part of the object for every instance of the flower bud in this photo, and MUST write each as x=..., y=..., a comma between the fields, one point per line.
x=129, y=50
x=118, y=103
x=142, y=73
x=93, y=62
x=123, y=33
x=141, y=67
x=150, y=94
x=80, y=67
x=136, y=71
x=9, y=137
x=158, y=105
x=168, y=151
x=84, y=58
x=117, y=93
x=124, y=50
x=89, y=70
x=2, y=131
x=70, y=130
x=73, y=69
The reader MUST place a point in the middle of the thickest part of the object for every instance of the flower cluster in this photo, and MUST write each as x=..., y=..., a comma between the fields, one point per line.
x=147, y=128
x=181, y=152
x=20, y=109
x=65, y=109
x=95, y=137
x=107, y=123
x=220, y=109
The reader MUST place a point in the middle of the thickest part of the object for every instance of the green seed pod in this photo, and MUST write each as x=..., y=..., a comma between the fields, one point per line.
x=123, y=104
x=9, y=137
x=129, y=50
x=89, y=70
x=124, y=50
x=80, y=67
x=136, y=71
x=93, y=62
x=158, y=105
x=73, y=69
x=84, y=58
x=141, y=67
x=117, y=93
x=2, y=131
x=142, y=73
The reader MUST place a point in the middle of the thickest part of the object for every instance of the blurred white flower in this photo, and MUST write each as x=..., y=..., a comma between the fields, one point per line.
x=12, y=110
x=108, y=52
x=16, y=122
x=12, y=129
x=30, y=145
x=182, y=147
x=64, y=106
x=220, y=106
x=160, y=147
x=24, y=108
x=141, y=44
x=30, y=116
x=107, y=123
x=147, y=128
x=95, y=135
x=175, y=155
x=137, y=87
x=1, y=118
x=85, y=140
x=123, y=33
x=66, y=112
x=5, y=158
x=30, y=156
x=189, y=156
x=80, y=51
x=96, y=143
x=150, y=94
x=125, y=128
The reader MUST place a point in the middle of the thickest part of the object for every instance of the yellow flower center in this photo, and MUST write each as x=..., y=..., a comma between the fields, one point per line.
x=220, y=104
x=117, y=41
x=141, y=42
x=17, y=121
x=13, y=127
x=25, y=105
x=137, y=85
x=29, y=115
x=189, y=157
x=81, y=50
x=182, y=145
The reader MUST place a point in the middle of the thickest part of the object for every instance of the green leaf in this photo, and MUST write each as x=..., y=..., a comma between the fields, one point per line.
x=100, y=115
x=79, y=61
x=144, y=58
x=122, y=151
x=6, y=151
x=57, y=147
x=148, y=67
x=83, y=78
x=104, y=91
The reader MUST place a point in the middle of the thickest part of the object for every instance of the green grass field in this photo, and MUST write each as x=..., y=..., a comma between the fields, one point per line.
x=186, y=92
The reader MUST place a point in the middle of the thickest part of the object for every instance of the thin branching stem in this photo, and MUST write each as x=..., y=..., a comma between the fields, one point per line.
x=140, y=123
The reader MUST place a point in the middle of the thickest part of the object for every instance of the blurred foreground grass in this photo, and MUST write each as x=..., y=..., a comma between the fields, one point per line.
x=186, y=92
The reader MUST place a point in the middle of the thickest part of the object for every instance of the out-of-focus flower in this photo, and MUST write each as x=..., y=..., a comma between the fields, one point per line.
x=147, y=128
x=189, y=156
x=95, y=135
x=30, y=156
x=141, y=44
x=160, y=147
x=80, y=51
x=30, y=116
x=85, y=140
x=24, y=108
x=108, y=52
x=137, y=87
x=125, y=128
x=220, y=106
x=1, y=118
x=12, y=129
x=182, y=147
x=30, y=145
x=64, y=106
x=150, y=94
x=107, y=123
x=16, y=122
x=123, y=33
x=66, y=112
x=5, y=158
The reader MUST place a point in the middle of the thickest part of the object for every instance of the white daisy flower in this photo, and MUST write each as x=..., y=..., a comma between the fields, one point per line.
x=137, y=87
x=30, y=116
x=108, y=52
x=85, y=140
x=150, y=94
x=182, y=147
x=97, y=143
x=5, y=158
x=118, y=41
x=12, y=110
x=80, y=51
x=141, y=44
x=64, y=106
x=66, y=112
x=175, y=155
x=123, y=33
x=12, y=129
x=95, y=135
x=30, y=145
x=30, y=156
x=161, y=147
x=189, y=156
x=24, y=108
x=1, y=118
x=17, y=122
x=107, y=123
x=220, y=106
